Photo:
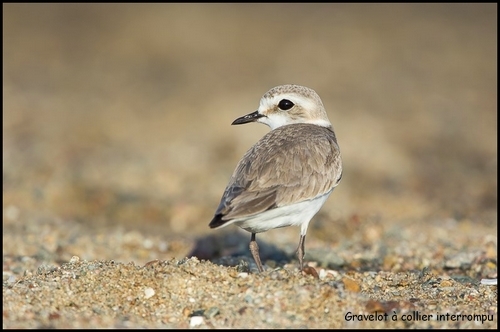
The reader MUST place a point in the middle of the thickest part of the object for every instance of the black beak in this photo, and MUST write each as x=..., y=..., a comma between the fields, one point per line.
x=247, y=118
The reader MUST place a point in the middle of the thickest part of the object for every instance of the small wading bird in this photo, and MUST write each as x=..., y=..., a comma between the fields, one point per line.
x=284, y=179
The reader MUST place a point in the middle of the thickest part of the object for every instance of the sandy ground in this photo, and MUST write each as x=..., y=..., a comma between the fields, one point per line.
x=117, y=146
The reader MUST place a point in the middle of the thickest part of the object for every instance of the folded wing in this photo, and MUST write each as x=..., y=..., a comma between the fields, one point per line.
x=288, y=165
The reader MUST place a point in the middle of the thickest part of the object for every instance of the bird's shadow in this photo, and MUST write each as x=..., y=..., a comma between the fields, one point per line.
x=229, y=248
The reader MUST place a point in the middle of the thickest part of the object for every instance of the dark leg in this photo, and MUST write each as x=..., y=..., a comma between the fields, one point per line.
x=301, y=252
x=254, y=249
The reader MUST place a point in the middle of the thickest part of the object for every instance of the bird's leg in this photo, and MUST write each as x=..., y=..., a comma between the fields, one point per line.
x=254, y=249
x=301, y=252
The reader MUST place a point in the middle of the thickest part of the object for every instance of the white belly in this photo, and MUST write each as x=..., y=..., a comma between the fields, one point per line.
x=299, y=214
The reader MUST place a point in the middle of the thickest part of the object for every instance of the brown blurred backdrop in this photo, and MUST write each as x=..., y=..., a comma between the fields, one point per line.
x=120, y=114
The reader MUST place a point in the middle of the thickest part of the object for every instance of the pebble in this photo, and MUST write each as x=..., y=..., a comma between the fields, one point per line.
x=74, y=259
x=149, y=292
x=489, y=282
x=211, y=312
x=460, y=260
x=351, y=285
x=196, y=321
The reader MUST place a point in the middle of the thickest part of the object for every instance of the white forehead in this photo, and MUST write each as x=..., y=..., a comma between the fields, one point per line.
x=268, y=102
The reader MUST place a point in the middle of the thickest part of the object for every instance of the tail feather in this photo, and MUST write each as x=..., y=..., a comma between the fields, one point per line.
x=217, y=221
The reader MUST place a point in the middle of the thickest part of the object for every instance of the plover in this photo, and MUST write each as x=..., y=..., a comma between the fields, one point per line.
x=285, y=178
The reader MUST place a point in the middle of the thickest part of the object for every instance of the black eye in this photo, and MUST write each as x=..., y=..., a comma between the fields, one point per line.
x=285, y=104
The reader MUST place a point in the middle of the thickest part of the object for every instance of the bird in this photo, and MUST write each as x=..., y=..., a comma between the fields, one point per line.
x=285, y=178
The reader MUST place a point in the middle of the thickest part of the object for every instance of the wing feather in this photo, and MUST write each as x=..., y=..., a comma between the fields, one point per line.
x=288, y=165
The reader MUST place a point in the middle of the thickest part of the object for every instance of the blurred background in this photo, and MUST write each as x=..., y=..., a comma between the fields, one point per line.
x=119, y=115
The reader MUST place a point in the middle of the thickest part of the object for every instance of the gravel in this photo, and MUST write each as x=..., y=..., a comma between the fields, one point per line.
x=117, y=146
